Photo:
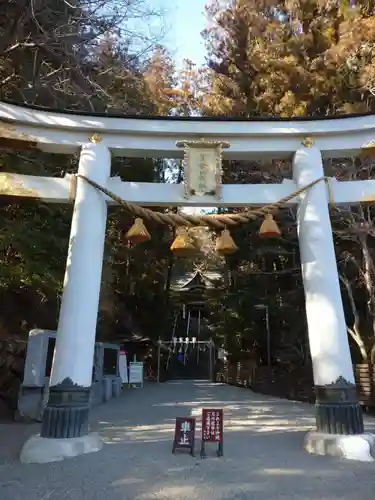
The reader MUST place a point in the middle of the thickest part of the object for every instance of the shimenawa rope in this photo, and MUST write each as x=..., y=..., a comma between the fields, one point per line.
x=215, y=221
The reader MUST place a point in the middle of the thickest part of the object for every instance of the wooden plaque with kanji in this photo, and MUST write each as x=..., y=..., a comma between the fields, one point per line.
x=212, y=430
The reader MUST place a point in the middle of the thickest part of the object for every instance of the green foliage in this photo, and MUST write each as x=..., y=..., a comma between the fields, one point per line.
x=291, y=58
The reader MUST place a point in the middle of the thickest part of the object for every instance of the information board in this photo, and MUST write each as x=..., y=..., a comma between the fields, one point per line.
x=184, y=434
x=136, y=373
x=212, y=430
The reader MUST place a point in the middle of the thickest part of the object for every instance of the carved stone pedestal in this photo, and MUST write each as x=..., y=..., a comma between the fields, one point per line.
x=39, y=450
x=359, y=447
x=339, y=424
x=337, y=408
x=67, y=412
x=65, y=426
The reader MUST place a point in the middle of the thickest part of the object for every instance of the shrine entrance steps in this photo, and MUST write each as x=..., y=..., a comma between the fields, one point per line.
x=263, y=453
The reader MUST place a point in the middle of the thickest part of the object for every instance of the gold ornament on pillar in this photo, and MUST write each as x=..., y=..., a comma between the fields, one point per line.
x=269, y=228
x=95, y=138
x=138, y=232
x=225, y=244
x=183, y=245
x=308, y=142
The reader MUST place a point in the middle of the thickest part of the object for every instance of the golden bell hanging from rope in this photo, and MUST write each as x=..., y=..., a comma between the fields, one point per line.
x=183, y=245
x=225, y=244
x=138, y=232
x=269, y=228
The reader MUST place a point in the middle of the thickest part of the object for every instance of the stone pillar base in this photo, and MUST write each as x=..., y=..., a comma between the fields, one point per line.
x=66, y=415
x=337, y=408
x=39, y=450
x=359, y=447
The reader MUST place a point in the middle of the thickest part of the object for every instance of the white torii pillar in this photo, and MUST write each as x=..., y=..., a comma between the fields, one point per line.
x=339, y=420
x=65, y=426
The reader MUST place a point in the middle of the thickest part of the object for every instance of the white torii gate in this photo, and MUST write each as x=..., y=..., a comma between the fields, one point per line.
x=65, y=429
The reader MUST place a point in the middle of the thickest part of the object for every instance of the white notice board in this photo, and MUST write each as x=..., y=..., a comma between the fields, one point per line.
x=123, y=367
x=136, y=373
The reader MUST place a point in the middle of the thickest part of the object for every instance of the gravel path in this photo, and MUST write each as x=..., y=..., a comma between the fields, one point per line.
x=263, y=455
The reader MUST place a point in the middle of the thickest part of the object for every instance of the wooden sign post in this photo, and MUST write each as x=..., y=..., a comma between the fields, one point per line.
x=184, y=434
x=212, y=430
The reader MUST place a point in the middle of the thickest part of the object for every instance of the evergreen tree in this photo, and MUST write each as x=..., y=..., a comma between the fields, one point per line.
x=291, y=58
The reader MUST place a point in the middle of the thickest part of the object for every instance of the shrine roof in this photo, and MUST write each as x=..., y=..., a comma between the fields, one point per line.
x=196, y=279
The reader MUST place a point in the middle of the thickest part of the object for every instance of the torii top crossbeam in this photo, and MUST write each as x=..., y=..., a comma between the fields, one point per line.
x=65, y=132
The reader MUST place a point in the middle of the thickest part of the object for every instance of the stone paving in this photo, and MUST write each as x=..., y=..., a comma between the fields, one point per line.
x=263, y=453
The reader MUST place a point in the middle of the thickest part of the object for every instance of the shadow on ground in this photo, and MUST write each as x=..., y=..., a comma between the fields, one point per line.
x=263, y=453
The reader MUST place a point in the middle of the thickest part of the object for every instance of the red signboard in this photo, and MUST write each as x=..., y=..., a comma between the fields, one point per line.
x=212, y=429
x=184, y=434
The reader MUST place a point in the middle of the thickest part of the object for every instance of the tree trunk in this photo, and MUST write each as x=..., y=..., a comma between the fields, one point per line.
x=368, y=274
x=354, y=331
